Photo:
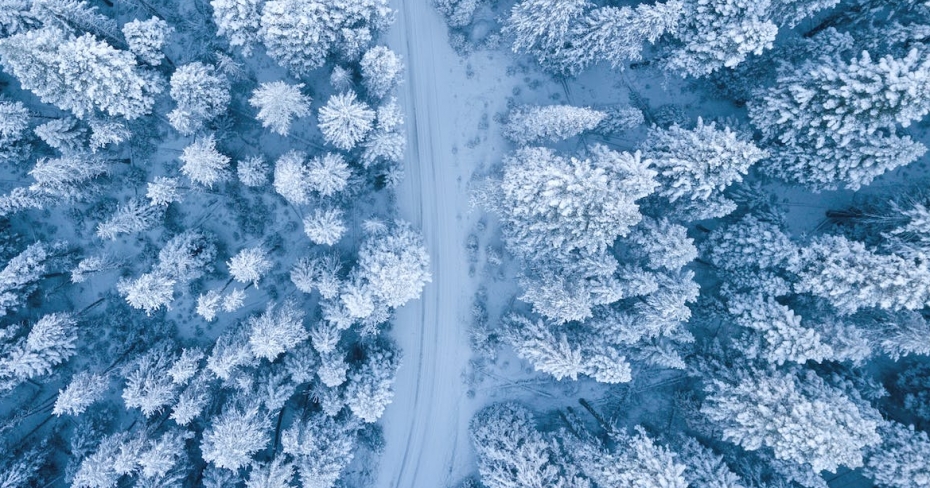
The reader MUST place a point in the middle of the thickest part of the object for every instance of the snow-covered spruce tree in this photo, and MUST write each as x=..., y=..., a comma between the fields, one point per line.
x=203, y=163
x=551, y=203
x=186, y=256
x=381, y=70
x=235, y=436
x=278, y=103
x=617, y=34
x=20, y=276
x=80, y=74
x=327, y=174
x=201, y=95
x=253, y=171
x=290, y=179
x=750, y=243
x=704, y=467
x=67, y=179
x=552, y=123
x=662, y=245
x=50, y=342
x=458, y=13
x=716, y=34
x=300, y=35
x=796, y=414
x=135, y=216
x=345, y=121
x=163, y=191
x=395, y=264
x=325, y=226
x=512, y=453
x=107, y=132
x=277, y=330
x=238, y=21
x=322, y=447
x=695, y=166
x=900, y=461
x=834, y=122
x=14, y=120
x=782, y=334
x=850, y=277
x=387, y=142
x=249, y=265
x=371, y=383
x=276, y=474
x=150, y=292
x=634, y=461
x=149, y=387
x=65, y=135
x=543, y=29
x=146, y=39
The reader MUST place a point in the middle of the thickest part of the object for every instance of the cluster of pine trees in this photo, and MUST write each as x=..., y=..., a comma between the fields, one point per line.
x=198, y=253
x=801, y=357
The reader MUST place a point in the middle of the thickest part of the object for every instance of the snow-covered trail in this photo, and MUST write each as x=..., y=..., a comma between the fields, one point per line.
x=426, y=427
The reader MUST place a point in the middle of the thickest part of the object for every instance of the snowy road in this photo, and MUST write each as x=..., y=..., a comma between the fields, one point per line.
x=426, y=426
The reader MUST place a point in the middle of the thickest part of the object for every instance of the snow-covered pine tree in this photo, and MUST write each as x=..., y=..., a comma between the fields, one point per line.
x=301, y=35
x=797, y=415
x=705, y=468
x=249, y=265
x=238, y=21
x=163, y=191
x=280, y=328
x=150, y=292
x=780, y=331
x=900, y=461
x=186, y=256
x=290, y=177
x=322, y=448
x=543, y=29
x=201, y=95
x=851, y=277
x=345, y=121
x=133, y=217
x=617, y=34
x=65, y=135
x=14, y=120
x=512, y=453
x=327, y=174
x=235, y=436
x=203, y=163
x=699, y=164
x=69, y=178
x=395, y=264
x=551, y=203
x=83, y=391
x=635, y=461
x=146, y=39
x=253, y=171
x=19, y=277
x=278, y=103
x=550, y=123
x=835, y=121
x=381, y=71
x=371, y=383
x=80, y=74
x=50, y=342
x=149, y=387
x=325, y=226
x=276, y=474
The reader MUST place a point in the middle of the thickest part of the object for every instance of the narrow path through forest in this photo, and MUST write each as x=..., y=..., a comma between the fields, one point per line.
x=424, y=425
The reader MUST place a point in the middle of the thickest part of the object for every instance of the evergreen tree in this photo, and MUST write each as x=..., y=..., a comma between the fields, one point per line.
x=131, y=218
x=327, y=174
x=50, y=342
x=370, y=387
x=290, y=179
x=345, y=121
x=798, y=416
x=699, y=164
x=617, y=34
x=64, y=134
x=253, y=171
x=553, y=123
x=149, y=387
x=395, y=264
x=322, y=447
x=235, y=436
x=83, y=391
x=149, y=292
x=80, y=74
x=276, y=474
x=543, y=29
x=203, y=164
x=277, y=330
x=381, y=71
x=900, y=461
x=277, y=103
x=834, y=122
x=249, y=265
x=636, y=461
x=147, y=38
x=239, y=21
x=18, y=279
x=325, y=226
x=201, y=95
x=69, y=178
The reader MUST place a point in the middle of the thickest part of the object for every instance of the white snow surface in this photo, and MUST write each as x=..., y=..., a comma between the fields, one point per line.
x=426, y=427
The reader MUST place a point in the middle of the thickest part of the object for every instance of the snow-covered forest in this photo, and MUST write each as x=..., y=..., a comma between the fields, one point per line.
x=464, y=243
